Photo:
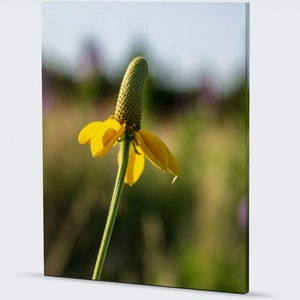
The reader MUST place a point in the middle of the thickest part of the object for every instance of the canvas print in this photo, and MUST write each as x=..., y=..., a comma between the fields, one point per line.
x=145, y=143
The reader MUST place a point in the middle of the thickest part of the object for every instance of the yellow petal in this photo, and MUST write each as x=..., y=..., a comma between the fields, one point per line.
x=153, y=147
x=173, y=166
x=105, y=138
x=88, y=131
x=135, y=165
x=157, y=152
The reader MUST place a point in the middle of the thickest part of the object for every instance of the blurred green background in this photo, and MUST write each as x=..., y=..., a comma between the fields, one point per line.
x=193, y=234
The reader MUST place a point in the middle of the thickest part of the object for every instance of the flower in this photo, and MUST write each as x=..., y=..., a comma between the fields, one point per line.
x=102, y=136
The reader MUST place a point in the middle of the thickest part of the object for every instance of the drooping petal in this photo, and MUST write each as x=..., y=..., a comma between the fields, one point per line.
x=101, y=135
x=135, y=166
x=153, y=147
x=105, y=138
x=157, y=152
x=173, y=166
x=88, y=131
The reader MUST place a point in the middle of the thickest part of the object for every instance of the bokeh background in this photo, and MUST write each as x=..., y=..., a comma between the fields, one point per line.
x=193, y=234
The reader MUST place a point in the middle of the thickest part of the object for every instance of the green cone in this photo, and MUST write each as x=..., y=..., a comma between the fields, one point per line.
x=130, y=100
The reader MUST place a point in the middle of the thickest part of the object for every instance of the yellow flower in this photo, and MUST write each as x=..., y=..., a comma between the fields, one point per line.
x=102, y=136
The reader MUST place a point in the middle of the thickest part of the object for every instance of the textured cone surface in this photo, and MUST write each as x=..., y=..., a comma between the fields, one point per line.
x=130, y=99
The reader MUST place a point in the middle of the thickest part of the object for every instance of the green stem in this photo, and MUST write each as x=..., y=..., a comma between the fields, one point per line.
x=114, y=205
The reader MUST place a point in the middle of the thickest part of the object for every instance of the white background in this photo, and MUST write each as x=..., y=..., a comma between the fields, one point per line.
x=274, y=162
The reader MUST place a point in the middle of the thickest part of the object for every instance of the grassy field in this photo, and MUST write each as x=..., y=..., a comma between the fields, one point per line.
x=192, y=234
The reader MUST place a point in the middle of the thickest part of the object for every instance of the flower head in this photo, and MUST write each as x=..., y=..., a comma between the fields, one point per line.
x=102, y=136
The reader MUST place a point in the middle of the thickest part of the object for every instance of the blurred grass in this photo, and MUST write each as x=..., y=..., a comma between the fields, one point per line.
x=189, y=234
